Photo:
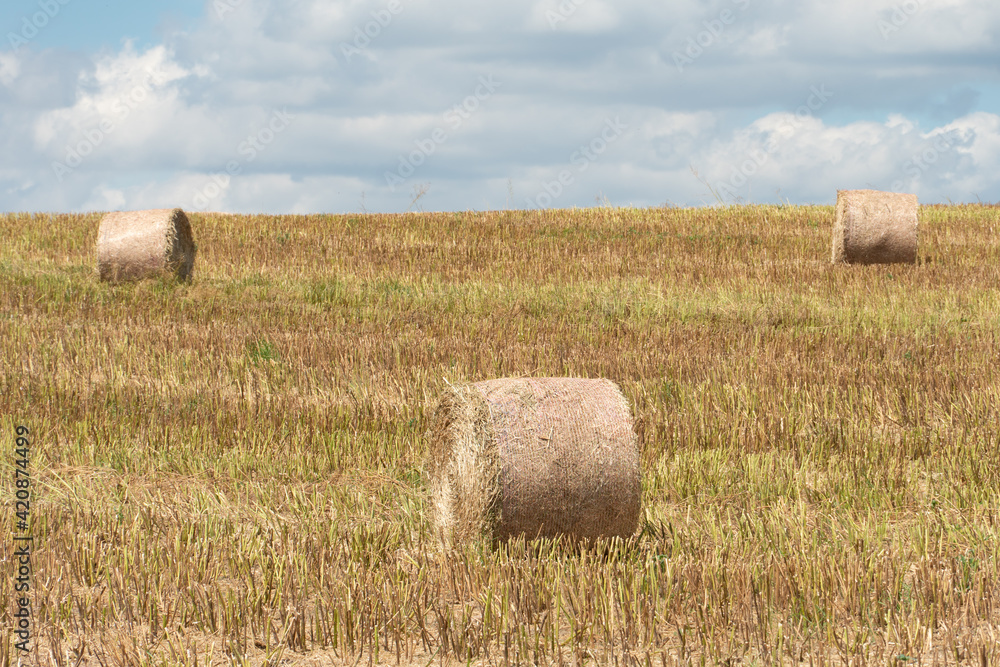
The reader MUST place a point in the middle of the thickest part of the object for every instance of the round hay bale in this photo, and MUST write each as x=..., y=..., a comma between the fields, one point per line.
x=539, y=457
x=874, y=227
x=132, y=245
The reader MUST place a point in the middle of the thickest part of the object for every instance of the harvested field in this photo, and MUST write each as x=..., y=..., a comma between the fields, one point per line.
x=235, y=468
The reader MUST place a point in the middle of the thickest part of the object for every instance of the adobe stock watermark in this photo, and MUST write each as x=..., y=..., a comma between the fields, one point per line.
x=249, y=149
x=921, y=162
x=757, y=158
x=363, y=35
x=121, y=108
x=32, y=25
x=901, y=14
x=562, y=13
x=223, y=7
x=581, y=158
x=454, y=117
x=705, y=39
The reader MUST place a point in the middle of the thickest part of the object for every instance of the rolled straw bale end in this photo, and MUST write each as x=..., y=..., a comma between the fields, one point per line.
x=464, y=469
x=874, y=227
x=133, y=245
x=536, y=457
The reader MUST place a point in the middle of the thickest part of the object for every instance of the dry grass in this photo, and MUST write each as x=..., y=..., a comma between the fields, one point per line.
x=233, y=469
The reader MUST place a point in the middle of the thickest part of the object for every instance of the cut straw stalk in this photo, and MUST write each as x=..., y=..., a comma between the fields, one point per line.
x=132, y=245
x=874, y=227
x=539, y=457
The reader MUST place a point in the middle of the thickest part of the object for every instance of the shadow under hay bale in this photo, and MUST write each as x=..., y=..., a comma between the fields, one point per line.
x=874, y=227
x=133, y=245
x=535, y=457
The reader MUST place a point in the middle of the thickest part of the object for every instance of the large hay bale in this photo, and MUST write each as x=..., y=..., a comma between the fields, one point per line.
x=874, y=227
x=132, y=245
x=539, y=457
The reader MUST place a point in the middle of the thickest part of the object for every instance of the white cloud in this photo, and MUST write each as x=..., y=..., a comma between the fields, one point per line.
x=583, y=16
x=180, y=112
x=140, y=86
x=10, y=68
x=764, y=41
x=811, y=159
x=106, y=199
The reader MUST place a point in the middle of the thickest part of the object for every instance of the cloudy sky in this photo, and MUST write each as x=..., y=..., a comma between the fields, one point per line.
x=303, y=106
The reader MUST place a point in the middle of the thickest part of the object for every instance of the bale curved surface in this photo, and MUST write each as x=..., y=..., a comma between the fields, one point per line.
x=874, y=227
x=539, y=457
x=132, y=245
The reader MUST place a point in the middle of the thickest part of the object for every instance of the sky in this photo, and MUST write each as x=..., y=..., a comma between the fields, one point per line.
x=338, y=106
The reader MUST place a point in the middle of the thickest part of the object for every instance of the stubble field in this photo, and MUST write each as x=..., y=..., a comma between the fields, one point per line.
x=232, y=471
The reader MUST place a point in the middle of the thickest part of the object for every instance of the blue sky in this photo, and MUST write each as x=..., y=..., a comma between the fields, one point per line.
x=92, y=25
x=300, y=106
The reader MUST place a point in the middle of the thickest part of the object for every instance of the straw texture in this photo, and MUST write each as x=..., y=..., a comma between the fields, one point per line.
x=132, y=245
x=539, y=457
x=874, y=227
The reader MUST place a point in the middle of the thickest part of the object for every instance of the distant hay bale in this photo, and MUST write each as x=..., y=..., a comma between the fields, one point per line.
x=875, y=227
x=132, y=245
x=539, y=457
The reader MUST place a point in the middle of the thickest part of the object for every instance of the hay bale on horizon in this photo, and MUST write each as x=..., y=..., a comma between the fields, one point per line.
x=874, y=227
x=539, y=457
x=132, y=245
